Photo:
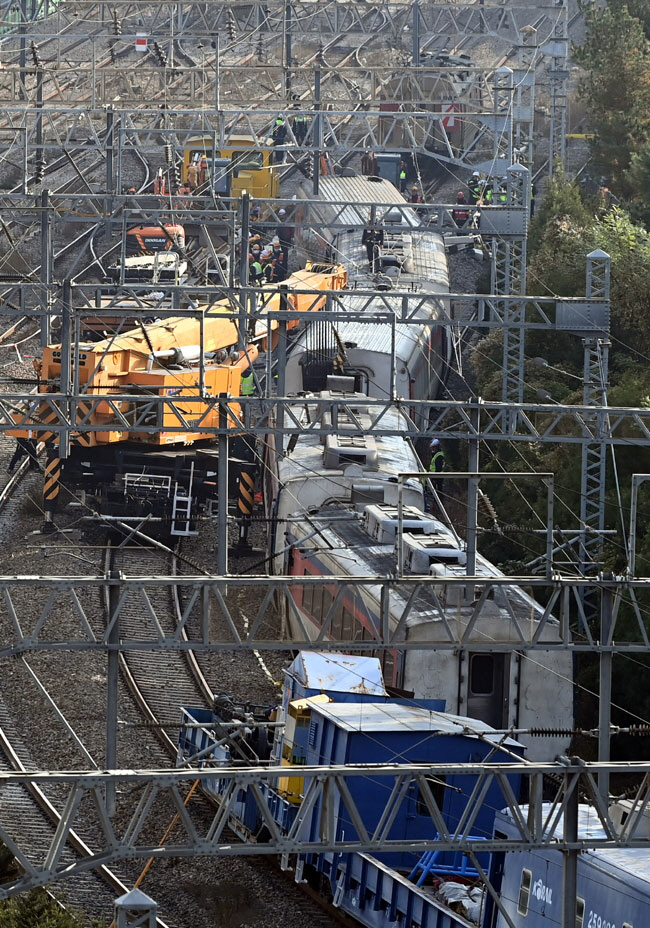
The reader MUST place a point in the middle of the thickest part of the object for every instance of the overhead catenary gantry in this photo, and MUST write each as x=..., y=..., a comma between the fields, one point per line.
x=220, y=81
x=313, y=830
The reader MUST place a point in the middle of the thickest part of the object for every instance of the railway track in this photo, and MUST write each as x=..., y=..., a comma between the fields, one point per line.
x=160, y=682
x=29, y=812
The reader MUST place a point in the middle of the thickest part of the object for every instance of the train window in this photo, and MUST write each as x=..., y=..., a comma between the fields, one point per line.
x=307, y=598
x=337, y=625
x=437, y=788
x=247, y=161
x=580, y=912
x=317, y=605
x=481, y=674
x=347, y=630
x=524, y=892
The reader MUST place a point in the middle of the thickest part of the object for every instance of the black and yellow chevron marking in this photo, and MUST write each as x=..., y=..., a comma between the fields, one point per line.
x=246, y=494
x=51, y=482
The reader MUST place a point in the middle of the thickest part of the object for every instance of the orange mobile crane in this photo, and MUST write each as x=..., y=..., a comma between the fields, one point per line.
x=191, y=361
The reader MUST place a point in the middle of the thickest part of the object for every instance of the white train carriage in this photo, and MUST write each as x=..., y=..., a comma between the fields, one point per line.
x=505, y=689
x=332, y=503
x=407, y=258
x=345, y=466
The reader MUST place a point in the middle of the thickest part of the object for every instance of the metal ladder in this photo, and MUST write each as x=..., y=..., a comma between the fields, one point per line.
x=181, y=513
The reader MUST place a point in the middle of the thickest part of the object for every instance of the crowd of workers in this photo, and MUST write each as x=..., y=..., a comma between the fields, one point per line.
x=269, y=263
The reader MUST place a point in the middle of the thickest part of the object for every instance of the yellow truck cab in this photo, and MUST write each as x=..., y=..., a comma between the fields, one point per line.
x=238, y=167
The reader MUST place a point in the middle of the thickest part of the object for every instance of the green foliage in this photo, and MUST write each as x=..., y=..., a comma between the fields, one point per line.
x=616, y=88
x=36, y=910
x=561, y=200
x=639, y=9
x=637, y=180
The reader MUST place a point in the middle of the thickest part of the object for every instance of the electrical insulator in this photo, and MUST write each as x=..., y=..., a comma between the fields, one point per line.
x=169, y=153
x=117, y=24
x=39, y=170
x=321, y=54
x=160, y=54
x=38, y=61
x=260, y=49
x=230, y=25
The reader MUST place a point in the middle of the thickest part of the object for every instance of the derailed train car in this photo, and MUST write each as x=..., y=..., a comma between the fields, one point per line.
x=451, y=89
x=333, y=508
x=336, y=710
x=404, y=257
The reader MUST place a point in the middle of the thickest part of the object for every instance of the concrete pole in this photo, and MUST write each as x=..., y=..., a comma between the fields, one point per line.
x=46, y=266
x=222, y=487
x=605, y=692
x=318, y=134
x=112, y=681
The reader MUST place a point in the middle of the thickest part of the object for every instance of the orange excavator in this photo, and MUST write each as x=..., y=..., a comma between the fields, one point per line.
x=194, y=359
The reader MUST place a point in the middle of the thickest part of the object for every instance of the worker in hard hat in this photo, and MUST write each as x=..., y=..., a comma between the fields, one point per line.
x=474, y=187
x=437, y=463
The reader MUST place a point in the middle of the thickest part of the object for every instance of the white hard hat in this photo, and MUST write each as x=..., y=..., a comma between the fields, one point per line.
x=282, y=212
x=434, y=442
x=476, y=174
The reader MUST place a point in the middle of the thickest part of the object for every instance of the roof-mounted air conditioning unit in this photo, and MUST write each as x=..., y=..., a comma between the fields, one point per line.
x=341, y=450
x=421, y=551
x=381, y=522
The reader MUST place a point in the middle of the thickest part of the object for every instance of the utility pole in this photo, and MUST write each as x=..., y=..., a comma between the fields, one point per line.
x=318, y=135
x=46, y=266
x=416, y=34
x=558, y=49
x=288, y=27
x=594, y=450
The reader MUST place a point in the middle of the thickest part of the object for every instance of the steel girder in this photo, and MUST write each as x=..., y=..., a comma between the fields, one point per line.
x=134, y=833
x=32, y=622
x=491, y=19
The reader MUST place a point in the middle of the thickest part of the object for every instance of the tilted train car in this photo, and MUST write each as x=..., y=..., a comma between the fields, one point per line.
x=408, y=258
x=239, y=166
x=335, y=710
x=333, y=507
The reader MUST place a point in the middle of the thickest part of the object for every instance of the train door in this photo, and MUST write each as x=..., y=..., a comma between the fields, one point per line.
x=488, y=688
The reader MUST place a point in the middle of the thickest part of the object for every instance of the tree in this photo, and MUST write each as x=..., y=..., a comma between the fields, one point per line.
x=562, y=200
x=639, y=9
x=36, y=910
x=616, y=87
